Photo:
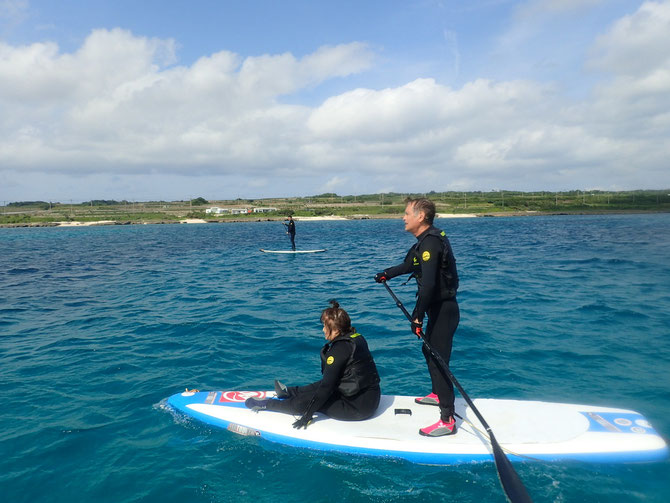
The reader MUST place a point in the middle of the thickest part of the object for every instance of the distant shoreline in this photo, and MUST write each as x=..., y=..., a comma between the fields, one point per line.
x=190, y=221
x=331, y=207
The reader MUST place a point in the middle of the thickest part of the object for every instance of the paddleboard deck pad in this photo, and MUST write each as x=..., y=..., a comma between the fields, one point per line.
x=291, y=251
x=526, y=430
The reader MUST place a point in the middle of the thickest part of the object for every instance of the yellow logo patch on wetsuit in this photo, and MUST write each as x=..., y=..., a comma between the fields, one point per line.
x=426, y=256
x=330, y=360
x=415, y=261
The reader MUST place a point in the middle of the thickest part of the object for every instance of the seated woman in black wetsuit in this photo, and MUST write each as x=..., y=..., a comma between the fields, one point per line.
x=349, y=387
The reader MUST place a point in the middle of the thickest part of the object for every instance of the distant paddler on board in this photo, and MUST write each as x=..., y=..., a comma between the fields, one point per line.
x=290, y=230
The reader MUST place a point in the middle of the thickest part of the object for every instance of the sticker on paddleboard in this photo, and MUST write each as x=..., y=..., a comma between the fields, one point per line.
x=603, y=422
x=243, y=430
x=241, y=396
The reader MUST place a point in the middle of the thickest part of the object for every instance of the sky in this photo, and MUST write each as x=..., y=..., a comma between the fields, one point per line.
x=223, y=99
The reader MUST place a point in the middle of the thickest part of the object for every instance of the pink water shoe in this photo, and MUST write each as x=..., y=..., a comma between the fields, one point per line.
x=439, y=429
x=428, y=400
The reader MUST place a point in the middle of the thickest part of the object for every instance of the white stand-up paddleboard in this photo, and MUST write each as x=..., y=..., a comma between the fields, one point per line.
x=526, y=430
x=292, y=251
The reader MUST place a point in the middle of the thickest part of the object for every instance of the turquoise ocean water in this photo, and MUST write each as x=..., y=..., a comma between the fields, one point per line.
x=98, y=326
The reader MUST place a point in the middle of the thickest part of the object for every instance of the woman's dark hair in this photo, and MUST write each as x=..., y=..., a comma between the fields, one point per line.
x=336, y=318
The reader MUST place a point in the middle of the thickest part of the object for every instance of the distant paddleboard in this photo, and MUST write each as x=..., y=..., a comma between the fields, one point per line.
x=292, y=251
x=526, y=430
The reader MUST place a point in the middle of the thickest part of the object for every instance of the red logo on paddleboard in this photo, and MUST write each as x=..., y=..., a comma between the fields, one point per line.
x=241, y=396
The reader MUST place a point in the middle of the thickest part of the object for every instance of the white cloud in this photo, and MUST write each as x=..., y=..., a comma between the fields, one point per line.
x=272, y=76
x=637, y=44
x=114, y=102
x=120, y=105
x=635, y=101
x=38, y=75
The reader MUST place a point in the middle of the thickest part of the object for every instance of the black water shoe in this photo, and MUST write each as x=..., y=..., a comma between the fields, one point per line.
x=281, y=390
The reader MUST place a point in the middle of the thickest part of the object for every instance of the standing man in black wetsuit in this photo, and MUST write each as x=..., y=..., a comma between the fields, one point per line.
x=432, y=262
x=290, y=230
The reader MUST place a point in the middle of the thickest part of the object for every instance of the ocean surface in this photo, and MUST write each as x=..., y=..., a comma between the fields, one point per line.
x=99, y=325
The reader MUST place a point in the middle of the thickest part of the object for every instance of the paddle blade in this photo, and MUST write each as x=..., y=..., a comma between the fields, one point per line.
x=514, y=489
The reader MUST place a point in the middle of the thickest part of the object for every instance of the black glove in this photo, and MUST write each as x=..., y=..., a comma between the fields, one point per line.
x=417, y=328
x=380, y=277
x=303, y=422
x=255, y=404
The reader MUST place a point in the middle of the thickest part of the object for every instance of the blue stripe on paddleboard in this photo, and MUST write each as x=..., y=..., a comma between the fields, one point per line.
x=431, y=458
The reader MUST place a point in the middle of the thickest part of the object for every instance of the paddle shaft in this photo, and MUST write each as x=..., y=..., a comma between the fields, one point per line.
x=514, y=489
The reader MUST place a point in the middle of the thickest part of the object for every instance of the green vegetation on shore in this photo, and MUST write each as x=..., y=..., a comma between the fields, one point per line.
x=361, y=206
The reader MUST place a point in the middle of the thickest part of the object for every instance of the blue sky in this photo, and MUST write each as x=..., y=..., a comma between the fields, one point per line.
x=223, y=99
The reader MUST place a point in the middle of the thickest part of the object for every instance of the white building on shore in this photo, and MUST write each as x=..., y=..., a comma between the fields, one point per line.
x=215, y=210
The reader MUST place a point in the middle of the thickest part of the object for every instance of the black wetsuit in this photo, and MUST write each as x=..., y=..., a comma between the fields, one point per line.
x=290, y=228
x=432, y=262
x=349, y=387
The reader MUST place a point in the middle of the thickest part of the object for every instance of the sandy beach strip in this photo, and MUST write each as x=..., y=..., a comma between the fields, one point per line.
x=85, y=224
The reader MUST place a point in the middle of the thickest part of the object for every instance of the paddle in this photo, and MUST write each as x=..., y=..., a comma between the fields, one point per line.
x=514, y=489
